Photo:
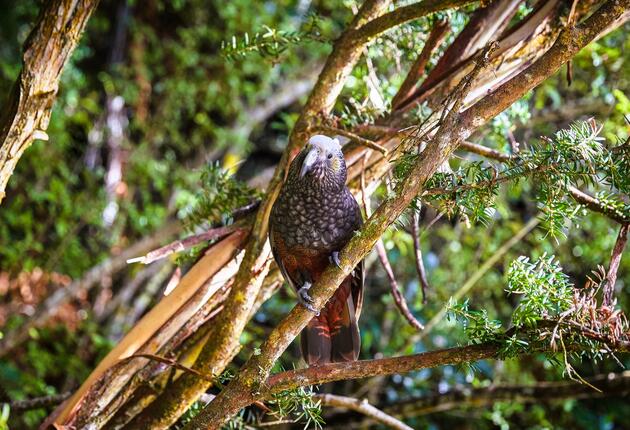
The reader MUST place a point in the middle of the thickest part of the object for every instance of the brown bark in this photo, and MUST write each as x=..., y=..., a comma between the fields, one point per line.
x=416, y=72
x=615, y=260
x=46, y=51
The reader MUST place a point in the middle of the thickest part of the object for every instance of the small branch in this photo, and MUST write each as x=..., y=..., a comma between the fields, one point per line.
x=405, y=14
x=318, y=375
x=38, y=402
x=476, y=276
x=484, y=151
x=354, y=137
x=174, y=364
x=401, y=303
x=362, y=407
x=416, y=72
x=422, y=273
x=595, y=205
x=615, y=260
x=184, y=244
x=611, y=384
x=579, y=196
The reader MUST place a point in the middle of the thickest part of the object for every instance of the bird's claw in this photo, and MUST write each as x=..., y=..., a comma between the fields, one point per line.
x=305, y=299
x=334, y=258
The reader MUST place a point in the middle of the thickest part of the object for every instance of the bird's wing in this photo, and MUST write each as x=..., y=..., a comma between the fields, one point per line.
x=277, y=255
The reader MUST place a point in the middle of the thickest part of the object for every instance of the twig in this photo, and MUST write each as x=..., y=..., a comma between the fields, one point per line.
x=355, y=138
x=184, y=244
x=38, y=402
x=438, y=32
x=476, y=276
x=579, y=196
x=401, y=303
x=362, y=407
x=405, y=14
x=612, y=384
x=484, y=151
x=174, y=364
x=422, y=273
x=615, y=260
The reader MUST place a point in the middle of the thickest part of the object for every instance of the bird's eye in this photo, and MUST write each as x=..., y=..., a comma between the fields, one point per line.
x=329, y=156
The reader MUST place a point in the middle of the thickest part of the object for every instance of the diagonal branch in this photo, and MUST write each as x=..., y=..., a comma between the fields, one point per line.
x=239, y=392
x=416, y=72
x=362, y=407
x=406, y=14
x=615, y=260
x=399, y=299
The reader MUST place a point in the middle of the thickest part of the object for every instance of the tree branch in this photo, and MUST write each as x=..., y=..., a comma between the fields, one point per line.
x=422, y=273
x=184, y=244
x=610, y=384
x=615, y=260
x=362, y=407
x=416, y=72
x=253, y=374
x=399, y=299
x=46, y=52
x=354, y=138
x=405, y=14
x=579, y=196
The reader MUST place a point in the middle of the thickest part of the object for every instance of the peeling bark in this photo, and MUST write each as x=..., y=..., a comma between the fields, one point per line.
x=46, y=51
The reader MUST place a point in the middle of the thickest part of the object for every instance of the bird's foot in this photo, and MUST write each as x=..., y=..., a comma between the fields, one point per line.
x=334, y=258
x=305, y=299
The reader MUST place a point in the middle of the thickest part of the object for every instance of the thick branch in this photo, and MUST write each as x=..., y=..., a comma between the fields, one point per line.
x=384, y=366
x=46, y=51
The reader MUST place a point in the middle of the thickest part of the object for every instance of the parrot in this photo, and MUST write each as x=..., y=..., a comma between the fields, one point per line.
x=312, y=219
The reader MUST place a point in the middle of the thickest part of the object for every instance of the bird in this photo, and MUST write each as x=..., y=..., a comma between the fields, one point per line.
x=312, y=219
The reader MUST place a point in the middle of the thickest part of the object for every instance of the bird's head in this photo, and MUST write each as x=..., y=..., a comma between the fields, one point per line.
x=321, y=164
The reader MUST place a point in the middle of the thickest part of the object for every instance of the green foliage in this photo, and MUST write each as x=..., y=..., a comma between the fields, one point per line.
x=545, y=290
x=272, y=43
x=574, y=157
x=218, y=196
x=298, y=404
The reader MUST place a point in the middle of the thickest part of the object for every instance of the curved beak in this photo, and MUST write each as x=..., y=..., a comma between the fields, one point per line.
x=309, y=161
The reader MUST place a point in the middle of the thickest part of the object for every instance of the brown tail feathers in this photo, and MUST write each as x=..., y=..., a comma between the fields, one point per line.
x=333, y=335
